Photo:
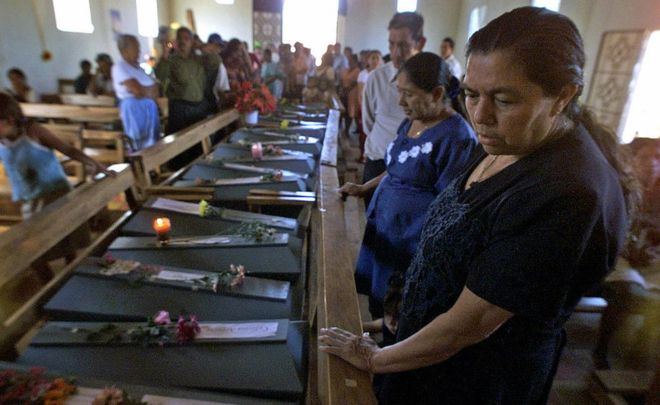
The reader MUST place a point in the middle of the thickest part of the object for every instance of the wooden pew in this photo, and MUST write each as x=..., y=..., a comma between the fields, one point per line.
x=88, y=100
x=71, y=135
x=102, y=115
x=34, y=237
x=150, y=159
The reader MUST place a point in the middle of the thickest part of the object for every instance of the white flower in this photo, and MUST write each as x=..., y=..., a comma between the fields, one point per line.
x=427, y=147
x=403, y=156
x=414, y=151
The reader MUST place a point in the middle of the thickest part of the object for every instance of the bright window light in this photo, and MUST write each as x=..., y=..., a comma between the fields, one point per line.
x=314, y=33
x=477, y=17
x=147, y=16
x=226, y=2
x=73, y=16
x=549, y=4
x=406, y=5
x=642, y=119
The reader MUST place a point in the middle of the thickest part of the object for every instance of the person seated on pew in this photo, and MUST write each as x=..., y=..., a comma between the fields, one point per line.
x=82, y=81
x=187, y=73
x=101, y=83
x=634, y=286
x=36, y=176
x=432, y=146
x=20, y=88
x=510, y=246
x=136, y=92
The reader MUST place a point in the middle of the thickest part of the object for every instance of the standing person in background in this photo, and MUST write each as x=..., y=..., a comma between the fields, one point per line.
x=187, y=75
x=339, y=61
x=350, y=92
x=381, y=112
x=373, y=60
x=271, y=74
x=447, y=53
x=101, y=83
x=20, y=89
x=82, y=81
x=136, y=92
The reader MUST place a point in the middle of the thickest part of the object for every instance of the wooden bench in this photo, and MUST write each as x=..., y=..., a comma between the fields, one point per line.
x=88, y=100
x=34, y=237
x=74, y=113
x=151, y=159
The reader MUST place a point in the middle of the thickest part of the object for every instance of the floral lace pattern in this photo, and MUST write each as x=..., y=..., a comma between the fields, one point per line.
x=413, y=152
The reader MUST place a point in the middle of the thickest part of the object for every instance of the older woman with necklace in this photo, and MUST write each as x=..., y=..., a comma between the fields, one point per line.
x=433, y=144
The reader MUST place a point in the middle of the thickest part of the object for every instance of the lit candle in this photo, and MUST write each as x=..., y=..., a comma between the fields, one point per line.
x=257, y=151
x=162, y=227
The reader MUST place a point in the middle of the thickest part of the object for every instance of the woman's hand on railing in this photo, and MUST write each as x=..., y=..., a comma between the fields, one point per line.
x=351, y=189
x=356, y=350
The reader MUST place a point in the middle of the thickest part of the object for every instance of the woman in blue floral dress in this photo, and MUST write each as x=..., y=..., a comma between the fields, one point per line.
x=432, y=146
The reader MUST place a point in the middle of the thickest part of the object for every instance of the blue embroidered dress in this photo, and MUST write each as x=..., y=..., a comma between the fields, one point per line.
x=417, y=170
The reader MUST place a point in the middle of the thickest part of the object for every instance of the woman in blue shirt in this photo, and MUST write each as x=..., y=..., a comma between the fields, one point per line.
x=432, y=146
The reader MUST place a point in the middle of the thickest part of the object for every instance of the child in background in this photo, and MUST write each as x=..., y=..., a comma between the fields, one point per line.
x=35, y=174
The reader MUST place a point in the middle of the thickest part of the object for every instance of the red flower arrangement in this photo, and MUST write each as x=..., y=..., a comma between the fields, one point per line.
x=33, y=388
x=250, y=97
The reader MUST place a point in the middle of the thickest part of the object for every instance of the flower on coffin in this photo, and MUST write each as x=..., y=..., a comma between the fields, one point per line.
x=186, y=330
x=230, y=278
x=274, y=176
x=257, y=231
x=284, y=124
x=207, y=210
x=107, y=260
x=273, y=150
x=162, y=318
x=115, y=396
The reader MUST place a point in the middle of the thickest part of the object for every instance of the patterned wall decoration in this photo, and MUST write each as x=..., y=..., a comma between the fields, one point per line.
x=267, y=28
x=619, y=53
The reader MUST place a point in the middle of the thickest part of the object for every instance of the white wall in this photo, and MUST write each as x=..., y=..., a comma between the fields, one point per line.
x=19, y=42
x=366, y=24
x=230, y=21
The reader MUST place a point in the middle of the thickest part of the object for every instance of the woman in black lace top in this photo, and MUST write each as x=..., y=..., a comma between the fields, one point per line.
x=509, y=247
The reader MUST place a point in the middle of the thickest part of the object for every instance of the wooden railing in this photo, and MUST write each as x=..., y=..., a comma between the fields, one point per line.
x=71, y=112
x=31, y=239
x=150, y=159
x=335, y=300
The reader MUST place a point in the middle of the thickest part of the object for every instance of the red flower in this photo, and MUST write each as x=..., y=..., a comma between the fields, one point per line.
x=251, y=97
x=187, y=330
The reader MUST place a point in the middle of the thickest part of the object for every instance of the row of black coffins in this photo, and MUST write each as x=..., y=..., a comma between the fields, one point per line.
x=199, y=300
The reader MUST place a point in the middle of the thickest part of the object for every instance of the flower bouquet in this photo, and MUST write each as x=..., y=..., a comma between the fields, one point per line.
x=33, y=388
x=252, y=98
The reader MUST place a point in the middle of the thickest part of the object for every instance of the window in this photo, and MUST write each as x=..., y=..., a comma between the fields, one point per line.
x=225, y=2
x=73, y=16
x=299, y=25
x=642, y=119
x=549, y=4
x=477, y=16
x=147, y=16
x=406, y=5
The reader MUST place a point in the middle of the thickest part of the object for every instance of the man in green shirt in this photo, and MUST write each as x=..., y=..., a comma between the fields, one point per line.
x=185, y=76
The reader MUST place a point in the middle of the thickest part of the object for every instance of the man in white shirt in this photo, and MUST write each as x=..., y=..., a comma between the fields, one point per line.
x=136, y=92
x=381, y=113
x=447, y=53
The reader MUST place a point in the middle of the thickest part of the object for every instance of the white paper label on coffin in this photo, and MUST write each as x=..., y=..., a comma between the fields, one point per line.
x=237, y=330
x=178, y=276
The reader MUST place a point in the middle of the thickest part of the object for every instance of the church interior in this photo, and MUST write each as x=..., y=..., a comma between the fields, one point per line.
x=329, y=202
